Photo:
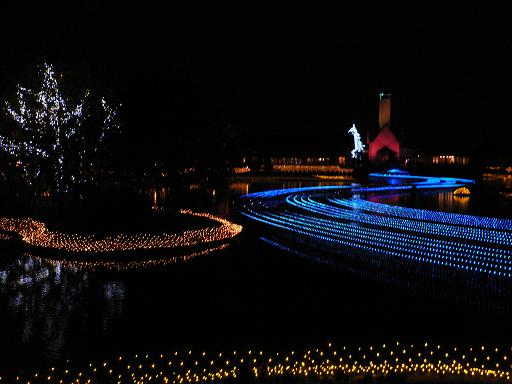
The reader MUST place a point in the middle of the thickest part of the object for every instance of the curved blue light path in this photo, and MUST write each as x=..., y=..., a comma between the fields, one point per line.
x=331, y=217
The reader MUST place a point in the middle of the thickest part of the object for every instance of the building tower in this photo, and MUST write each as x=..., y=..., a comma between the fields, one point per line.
x=384, y=147
x=384, y=110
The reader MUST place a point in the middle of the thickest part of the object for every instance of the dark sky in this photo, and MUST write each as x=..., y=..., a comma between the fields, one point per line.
x=275, y=78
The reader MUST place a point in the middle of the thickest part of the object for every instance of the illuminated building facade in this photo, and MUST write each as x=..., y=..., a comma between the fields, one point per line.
x=385, y=147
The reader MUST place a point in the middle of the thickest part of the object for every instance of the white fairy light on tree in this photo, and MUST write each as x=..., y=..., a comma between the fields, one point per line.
x=55, y=142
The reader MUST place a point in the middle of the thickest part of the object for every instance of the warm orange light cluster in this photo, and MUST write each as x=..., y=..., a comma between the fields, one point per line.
x=413, y=361
x=239, y=170
x=332, y=177
x=462, y=191
x=36, y=234
x=311, y=169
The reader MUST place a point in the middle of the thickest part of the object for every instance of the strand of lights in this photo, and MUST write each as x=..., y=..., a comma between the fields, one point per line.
x=429, y=227
x=459, y=241
x=425, y=179
x=35, y=233
x=423, y=360
x=390, y=243
x=426, y=215
x=332, y=177
x=306, y=168
x=420, y=182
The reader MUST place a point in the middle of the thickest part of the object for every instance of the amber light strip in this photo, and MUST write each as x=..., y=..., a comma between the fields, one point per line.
x=36, y=234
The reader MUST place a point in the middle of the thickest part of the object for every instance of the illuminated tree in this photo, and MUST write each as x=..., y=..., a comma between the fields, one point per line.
x=57, y=143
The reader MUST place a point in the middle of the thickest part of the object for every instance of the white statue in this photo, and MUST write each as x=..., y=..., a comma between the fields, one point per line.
x=358, y=146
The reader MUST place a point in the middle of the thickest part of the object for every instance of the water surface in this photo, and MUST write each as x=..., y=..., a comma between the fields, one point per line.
x=249, y=295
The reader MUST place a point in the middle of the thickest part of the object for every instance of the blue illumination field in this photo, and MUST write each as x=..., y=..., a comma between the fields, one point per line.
x=331, y=217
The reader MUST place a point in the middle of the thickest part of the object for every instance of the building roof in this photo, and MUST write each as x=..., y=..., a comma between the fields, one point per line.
x=385, y=139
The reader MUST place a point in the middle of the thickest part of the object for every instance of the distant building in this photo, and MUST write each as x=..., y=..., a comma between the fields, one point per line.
x=385, y=147
x=416, y=157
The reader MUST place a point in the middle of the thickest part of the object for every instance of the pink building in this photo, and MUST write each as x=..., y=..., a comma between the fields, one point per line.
x=384, y=147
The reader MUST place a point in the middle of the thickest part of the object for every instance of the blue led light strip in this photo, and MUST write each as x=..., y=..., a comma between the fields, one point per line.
x=464, y=242
x=426, y=215
x=412, y=247
x=419, y=226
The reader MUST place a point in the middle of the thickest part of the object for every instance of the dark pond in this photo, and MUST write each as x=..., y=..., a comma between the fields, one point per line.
x=251, y=295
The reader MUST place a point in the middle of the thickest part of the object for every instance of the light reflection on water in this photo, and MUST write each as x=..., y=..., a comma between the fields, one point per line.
x=503, y=183
x=43, y=301
x=488, y=198
x=443, y=200
x=219, y=199
x=503, y=179
x=51, y=311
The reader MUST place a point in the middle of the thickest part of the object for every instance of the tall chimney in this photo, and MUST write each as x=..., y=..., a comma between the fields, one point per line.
x=384, y=110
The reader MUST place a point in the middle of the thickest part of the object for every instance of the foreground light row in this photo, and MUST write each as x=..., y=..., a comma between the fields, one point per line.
x=320, y=218
x=421, y=361
x=36, y=234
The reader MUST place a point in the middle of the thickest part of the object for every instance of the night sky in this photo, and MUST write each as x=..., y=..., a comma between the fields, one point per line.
x=277, y=80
